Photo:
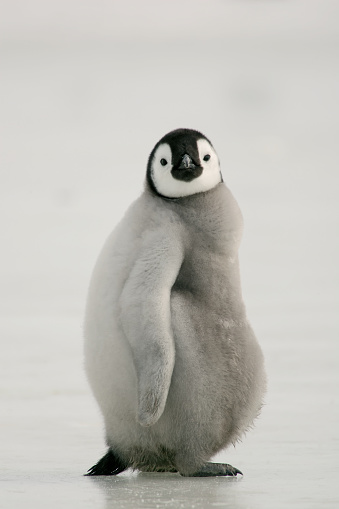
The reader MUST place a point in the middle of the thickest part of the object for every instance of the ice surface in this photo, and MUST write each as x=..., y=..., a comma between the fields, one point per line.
x=79, y=116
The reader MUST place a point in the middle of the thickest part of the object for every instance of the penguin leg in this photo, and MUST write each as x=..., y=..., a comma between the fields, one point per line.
x=215, y=469
x=109, y=464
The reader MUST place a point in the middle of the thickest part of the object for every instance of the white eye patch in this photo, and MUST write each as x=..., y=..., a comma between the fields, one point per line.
x=170, y=187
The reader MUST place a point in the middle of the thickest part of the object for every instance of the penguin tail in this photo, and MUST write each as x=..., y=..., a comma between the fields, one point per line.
x=109, y=464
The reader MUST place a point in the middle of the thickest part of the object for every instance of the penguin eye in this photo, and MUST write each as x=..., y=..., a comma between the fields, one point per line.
x=163, y=162
x=207, y=157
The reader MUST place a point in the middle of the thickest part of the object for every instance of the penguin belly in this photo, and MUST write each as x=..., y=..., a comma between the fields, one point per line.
x=217, y=383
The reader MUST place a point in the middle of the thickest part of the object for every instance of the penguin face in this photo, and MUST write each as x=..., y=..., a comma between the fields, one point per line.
x=183, y=163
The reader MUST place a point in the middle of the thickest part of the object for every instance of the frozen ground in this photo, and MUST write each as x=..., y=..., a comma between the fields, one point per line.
x=82, y=104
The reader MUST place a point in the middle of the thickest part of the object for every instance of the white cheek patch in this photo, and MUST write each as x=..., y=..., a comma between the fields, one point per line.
x=168, y=186
x=211, y=175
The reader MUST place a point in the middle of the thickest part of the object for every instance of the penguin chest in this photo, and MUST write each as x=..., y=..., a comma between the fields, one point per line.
x=208, y=277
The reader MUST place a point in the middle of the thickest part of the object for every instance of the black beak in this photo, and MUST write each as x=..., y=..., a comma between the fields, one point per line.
x=186, y=163
x=187, y=170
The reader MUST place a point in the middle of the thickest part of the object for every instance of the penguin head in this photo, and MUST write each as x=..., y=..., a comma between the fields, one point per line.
x=183, y=163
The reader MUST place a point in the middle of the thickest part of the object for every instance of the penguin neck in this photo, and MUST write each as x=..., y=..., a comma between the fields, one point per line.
x=189, y=202
x=214, y=212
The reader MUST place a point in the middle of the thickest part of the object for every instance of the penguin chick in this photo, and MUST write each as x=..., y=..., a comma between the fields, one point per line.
x=169, y=353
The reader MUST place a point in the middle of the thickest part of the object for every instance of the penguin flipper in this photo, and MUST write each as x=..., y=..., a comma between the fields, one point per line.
x=109, y=464
x=146, y=320
x=215, y=469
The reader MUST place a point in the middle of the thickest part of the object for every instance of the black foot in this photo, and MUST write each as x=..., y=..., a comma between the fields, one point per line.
x=108, y=465
x=216, y=469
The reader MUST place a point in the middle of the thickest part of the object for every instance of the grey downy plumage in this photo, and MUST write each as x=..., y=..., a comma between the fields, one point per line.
x=170, y=355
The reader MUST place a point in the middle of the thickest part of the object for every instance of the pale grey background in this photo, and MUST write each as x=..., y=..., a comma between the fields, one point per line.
x=87, y=88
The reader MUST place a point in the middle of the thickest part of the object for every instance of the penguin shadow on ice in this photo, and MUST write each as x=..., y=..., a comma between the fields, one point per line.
x=169, y=353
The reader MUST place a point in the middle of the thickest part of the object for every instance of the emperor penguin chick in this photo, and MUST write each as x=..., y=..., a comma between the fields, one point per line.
x=169, y=353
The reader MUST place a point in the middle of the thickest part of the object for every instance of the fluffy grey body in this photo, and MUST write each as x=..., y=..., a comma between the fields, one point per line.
x=170, y=355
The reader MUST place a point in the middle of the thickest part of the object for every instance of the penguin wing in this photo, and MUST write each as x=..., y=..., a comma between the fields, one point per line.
x=146, y=320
